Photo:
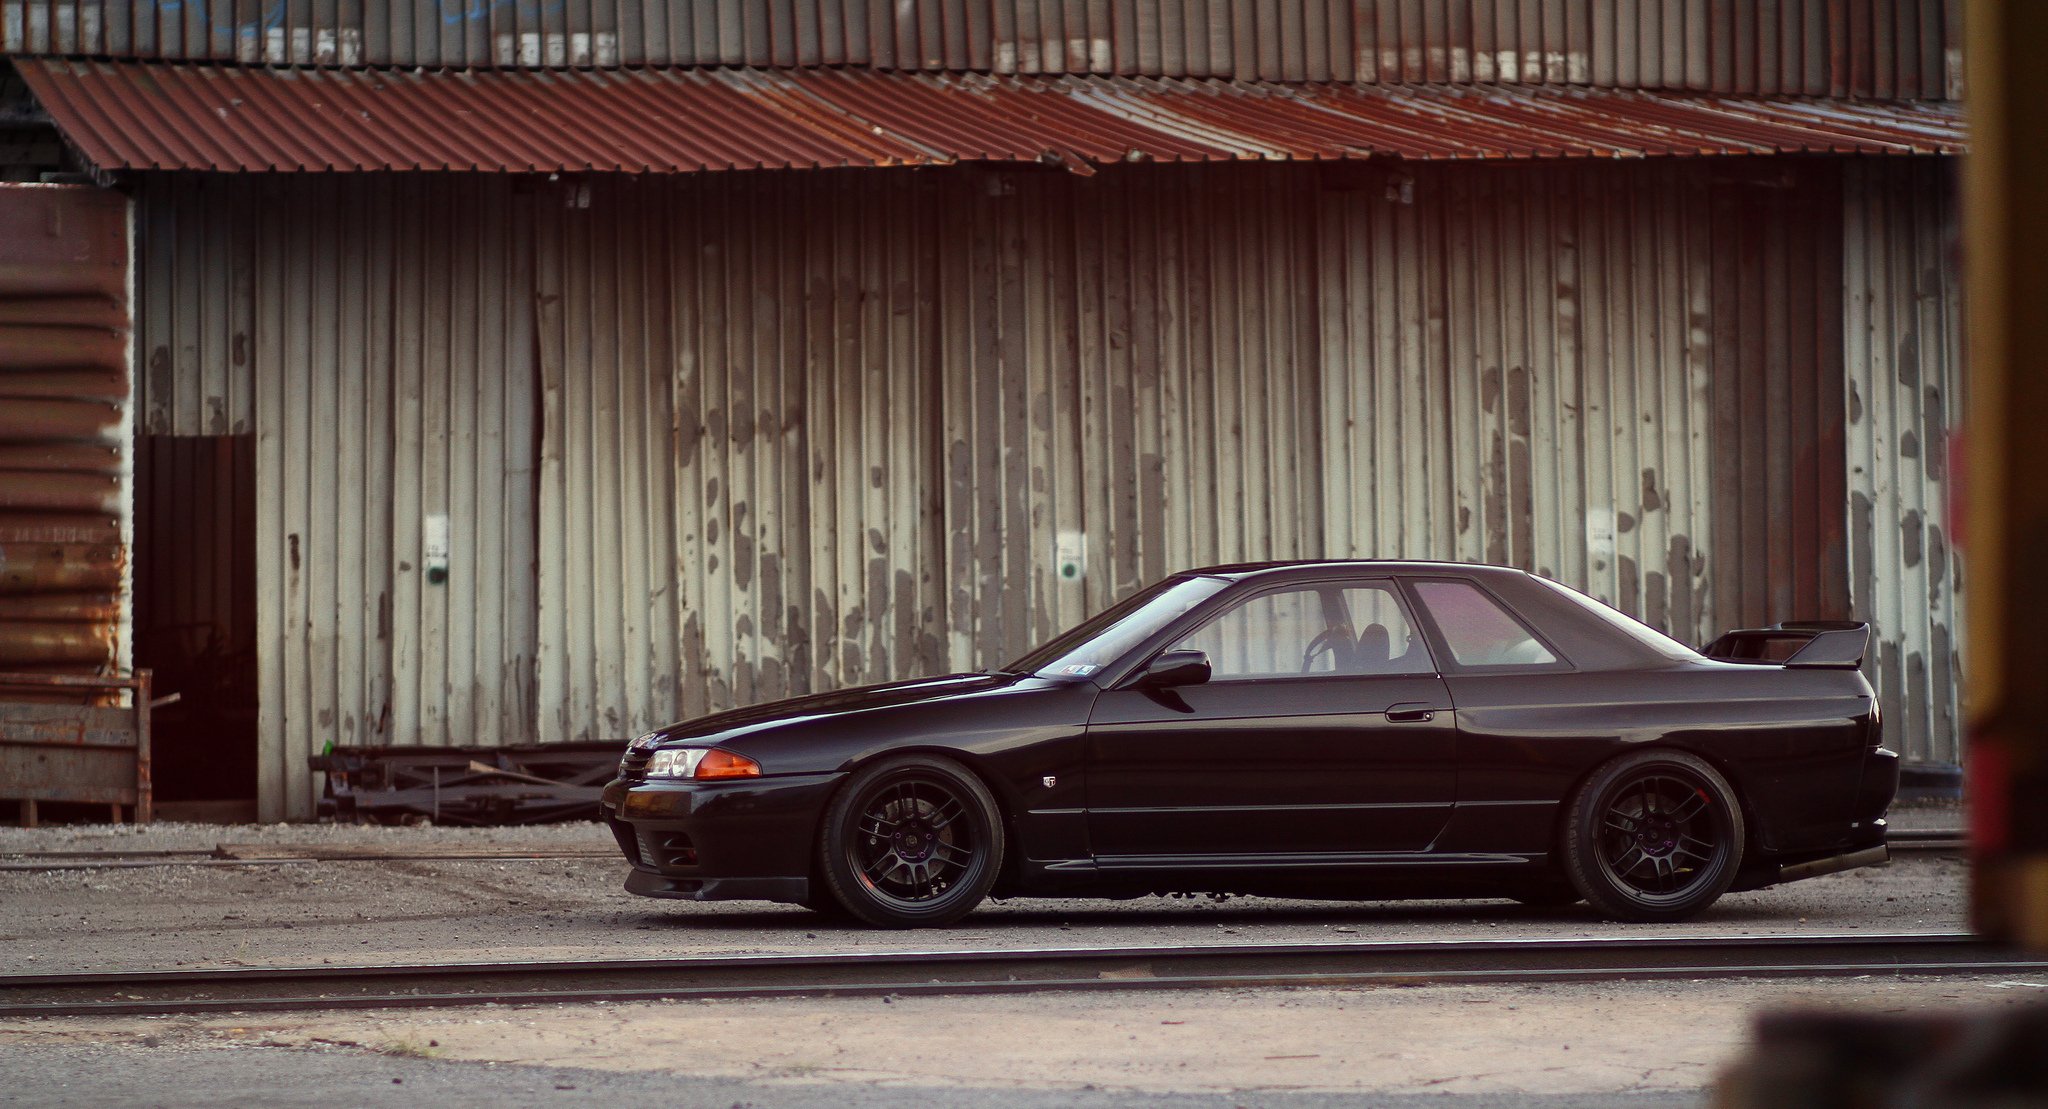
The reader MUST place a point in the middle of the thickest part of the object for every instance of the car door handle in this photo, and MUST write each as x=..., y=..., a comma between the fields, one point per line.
x=1411, y=713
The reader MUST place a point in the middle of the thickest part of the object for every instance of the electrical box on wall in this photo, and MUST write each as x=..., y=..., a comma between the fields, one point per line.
x=435, y=556
x=1070, y=556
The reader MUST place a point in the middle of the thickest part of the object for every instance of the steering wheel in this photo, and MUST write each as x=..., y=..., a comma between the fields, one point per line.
x=1326, y=640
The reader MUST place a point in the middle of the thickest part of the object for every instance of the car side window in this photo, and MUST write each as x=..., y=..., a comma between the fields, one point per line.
x=1476, y=629
x=1326, y=629
x=1383, y=641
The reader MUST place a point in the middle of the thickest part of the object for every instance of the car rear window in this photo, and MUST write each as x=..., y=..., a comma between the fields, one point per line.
x=1477, y=630
x=1625, y=624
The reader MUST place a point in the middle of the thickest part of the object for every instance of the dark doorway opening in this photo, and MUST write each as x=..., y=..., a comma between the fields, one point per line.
x=195, y=619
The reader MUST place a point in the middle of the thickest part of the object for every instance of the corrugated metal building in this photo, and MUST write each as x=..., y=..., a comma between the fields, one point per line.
x=516, y=415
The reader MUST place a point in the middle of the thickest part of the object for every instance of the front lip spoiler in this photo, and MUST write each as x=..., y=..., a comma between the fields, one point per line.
x=1833, y=864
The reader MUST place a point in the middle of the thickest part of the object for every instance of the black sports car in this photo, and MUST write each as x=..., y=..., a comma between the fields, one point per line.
x=1360, y=730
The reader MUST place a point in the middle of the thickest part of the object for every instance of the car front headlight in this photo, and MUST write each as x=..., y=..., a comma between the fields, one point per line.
x=701, y=762
x=676, y=762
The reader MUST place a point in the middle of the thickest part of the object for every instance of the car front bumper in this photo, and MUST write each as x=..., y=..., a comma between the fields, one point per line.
x=743, y=840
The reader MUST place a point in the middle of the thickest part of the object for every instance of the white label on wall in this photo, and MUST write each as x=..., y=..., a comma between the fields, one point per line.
x=435, y=538
x=1600, y=532
x=1070, y=555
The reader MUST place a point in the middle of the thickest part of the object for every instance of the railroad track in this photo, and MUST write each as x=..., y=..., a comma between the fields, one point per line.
x=960, y=972
x=264, y=855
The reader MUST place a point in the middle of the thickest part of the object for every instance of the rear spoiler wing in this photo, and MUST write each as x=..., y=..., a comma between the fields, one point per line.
x=1810, y=644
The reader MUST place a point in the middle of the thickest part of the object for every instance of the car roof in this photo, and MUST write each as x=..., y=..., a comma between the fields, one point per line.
x=1244, y=570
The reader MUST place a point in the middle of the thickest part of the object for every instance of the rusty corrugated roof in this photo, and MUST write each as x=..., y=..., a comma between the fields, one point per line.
x=137, y=115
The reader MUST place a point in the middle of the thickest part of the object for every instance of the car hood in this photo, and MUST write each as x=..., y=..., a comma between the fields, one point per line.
x=731, y=725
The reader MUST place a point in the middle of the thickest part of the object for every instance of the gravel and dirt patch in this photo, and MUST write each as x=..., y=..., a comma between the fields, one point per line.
x=310, y=913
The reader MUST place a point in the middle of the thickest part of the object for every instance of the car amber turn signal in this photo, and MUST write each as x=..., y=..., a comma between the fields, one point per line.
x=724, y=764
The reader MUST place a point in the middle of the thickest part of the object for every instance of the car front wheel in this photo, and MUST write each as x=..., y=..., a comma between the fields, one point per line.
x=1653, y=836
x=911, y=841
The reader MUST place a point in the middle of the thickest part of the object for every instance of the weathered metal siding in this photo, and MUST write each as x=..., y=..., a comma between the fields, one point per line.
x=739, y=497
x=1775, y=320
x=1130, y=360
x=1905, y=48
x=853, y=419
x=196, y=263
x=1614, y=377
x=64, y=456
x=1905, y=389
x=381, y=349
x=786, y=432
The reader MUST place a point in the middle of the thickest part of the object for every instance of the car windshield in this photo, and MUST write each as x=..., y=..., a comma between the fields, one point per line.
x=1111, y=634
x=1628, y=625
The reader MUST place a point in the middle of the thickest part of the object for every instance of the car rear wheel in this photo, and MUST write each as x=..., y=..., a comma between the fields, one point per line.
x=1653, y=836
x=911, y=841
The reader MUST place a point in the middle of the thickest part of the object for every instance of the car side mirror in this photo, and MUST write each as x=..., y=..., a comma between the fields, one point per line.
x=1175, y=668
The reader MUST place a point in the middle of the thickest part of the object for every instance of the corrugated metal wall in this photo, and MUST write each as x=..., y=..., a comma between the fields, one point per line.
x=1522, y=375
x=1905, y=389
x=1131, y=360
x=1776, y=334
x=1885, y=48
x=737, y=499
x=785, y=432
x=64, y=403
x=382, y=351
x=1628, y=381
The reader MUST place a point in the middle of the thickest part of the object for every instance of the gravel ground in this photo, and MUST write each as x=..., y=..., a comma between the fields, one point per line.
x=1632, y=1045
x=1626, y=1046
x=395, y=912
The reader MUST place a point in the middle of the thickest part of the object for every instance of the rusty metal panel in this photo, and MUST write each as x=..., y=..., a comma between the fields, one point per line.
x=1904, y=357
x=842, y=447
x=1507, y=377
x=737, y=489
x=195, y=263
x=64, y=406
x=71, y=738
x=1776, y=346
x=803, y=430
x=1130, y=362
x=1869, y=48
x=688, y=121
x=388, y=371
x=1632, y=379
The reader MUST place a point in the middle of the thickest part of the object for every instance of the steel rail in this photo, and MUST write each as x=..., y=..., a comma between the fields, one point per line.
x=1355, y=963
x=1933, y=840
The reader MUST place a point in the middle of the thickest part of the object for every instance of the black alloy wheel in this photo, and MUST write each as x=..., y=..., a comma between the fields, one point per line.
x=911, y=841
x=1654, y=836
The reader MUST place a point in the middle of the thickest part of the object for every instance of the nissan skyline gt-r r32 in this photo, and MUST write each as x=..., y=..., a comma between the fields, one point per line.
x=1359, y=730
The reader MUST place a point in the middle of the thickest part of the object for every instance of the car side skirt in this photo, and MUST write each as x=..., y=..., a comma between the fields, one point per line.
x=647, y=883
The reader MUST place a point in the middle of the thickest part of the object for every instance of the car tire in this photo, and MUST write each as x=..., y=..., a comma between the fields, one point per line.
x=911, y=841
x=1653, y=836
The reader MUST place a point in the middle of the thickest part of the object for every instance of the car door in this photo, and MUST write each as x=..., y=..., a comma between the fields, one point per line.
x=1323, y=730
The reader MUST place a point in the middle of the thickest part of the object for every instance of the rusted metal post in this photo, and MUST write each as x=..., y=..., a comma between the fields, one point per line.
x=2006, y=221
x=145, y=785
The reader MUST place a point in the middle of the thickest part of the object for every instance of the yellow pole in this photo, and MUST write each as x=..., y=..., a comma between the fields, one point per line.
x=2005, y=217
